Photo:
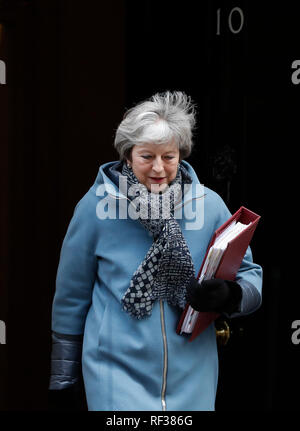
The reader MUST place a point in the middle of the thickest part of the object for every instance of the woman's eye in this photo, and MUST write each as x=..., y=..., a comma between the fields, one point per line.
x=149, y=157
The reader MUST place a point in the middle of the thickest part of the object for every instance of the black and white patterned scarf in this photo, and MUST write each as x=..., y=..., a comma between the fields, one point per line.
x=167, y=267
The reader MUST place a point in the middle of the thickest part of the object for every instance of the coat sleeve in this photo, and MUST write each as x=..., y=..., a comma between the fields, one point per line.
x=249, y=278
x=249, y=275
x=76, y=270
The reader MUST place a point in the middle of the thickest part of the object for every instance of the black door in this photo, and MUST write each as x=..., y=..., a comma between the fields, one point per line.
x=72, y=69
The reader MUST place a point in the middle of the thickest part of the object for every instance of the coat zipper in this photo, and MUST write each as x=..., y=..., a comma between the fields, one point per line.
x=165, y=362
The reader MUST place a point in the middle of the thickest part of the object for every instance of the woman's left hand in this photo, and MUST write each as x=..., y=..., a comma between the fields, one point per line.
x=221, y=296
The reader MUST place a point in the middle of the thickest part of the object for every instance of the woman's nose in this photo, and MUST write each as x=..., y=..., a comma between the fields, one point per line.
x=157, y=164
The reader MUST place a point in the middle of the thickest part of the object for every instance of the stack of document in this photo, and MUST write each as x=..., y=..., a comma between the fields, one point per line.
x=211, y=265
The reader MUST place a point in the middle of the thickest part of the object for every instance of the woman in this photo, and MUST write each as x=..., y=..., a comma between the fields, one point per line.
x=127, y=268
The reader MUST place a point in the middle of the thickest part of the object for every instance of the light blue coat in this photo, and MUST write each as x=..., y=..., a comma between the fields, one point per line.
x=131, y=364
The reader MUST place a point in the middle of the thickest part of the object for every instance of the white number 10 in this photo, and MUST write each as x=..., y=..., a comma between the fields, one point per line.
x=237, y=10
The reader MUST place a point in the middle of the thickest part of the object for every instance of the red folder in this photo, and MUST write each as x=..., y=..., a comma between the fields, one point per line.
x=229, y=264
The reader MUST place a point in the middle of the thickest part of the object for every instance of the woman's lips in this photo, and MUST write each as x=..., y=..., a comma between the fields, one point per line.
x=157, y=179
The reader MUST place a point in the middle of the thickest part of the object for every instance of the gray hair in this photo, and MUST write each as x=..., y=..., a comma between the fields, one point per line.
x=165, y=116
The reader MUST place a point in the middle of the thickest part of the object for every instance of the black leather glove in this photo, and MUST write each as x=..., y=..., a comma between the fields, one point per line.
x=66, y=389
x=216, y=295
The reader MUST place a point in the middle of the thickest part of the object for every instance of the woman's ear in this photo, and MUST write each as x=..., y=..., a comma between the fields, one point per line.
x=127, y=161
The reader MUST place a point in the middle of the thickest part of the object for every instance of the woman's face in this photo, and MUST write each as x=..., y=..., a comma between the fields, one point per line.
x=155, y=165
